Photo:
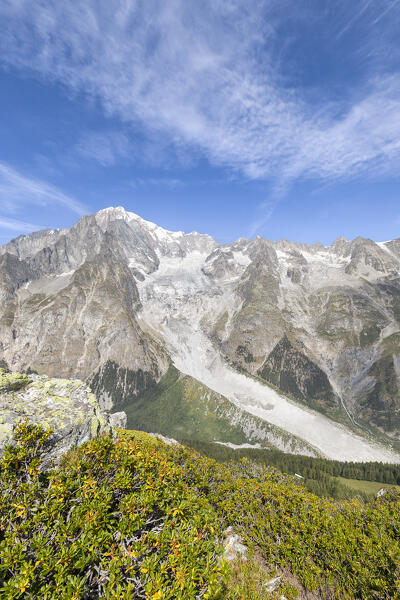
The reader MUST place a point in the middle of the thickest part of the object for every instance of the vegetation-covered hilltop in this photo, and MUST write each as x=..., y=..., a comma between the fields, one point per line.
x=136, y=518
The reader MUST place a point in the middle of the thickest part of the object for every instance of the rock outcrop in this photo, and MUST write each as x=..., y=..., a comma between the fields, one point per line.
x=66, y=406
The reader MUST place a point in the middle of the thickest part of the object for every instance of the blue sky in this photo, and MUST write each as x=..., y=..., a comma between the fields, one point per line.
x=272, y=117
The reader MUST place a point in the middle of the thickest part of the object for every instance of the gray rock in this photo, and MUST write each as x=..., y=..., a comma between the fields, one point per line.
x=118, y=420
x=66, y=406
x=233, y=546
x=273, y=584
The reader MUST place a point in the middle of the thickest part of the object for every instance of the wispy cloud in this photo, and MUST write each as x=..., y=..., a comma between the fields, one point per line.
x=201, y=73
x=355, y=17
x=389, y=7
x=107, y=148
x=166, y=182
x=17, y=191
x=266, y=209
x=17, y=225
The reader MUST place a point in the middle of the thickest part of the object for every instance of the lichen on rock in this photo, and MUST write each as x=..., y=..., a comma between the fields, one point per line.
x=65, y=406
x=12, y=381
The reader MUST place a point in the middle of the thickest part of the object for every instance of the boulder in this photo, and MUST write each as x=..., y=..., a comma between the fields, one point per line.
x=118, y=420
x=234, y=548
x=66, y=406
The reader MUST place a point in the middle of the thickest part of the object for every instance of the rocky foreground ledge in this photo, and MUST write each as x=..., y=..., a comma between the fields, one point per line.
x=66, y=406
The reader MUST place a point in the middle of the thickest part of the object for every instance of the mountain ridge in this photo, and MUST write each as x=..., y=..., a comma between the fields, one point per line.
x=118, y=288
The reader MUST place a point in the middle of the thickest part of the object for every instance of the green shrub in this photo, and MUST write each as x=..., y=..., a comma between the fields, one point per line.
x=115, y=520
x=139, y=519
x=336, y=549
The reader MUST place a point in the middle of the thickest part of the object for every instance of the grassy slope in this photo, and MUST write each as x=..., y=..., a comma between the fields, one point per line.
x=178, y=406
x=367, y=487
x=183, y=408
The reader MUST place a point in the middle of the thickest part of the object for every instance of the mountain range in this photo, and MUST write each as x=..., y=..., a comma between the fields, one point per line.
x=281, y=344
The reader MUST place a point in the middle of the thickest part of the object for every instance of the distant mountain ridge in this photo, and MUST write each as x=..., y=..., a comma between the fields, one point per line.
x=115, y=299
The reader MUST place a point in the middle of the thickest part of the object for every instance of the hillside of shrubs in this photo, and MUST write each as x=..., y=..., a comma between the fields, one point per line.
x=136, y=518
x=319, y=475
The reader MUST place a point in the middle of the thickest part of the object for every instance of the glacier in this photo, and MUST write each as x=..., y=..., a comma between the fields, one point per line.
x=177, y=299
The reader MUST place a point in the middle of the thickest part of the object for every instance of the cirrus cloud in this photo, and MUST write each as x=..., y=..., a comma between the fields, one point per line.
x=17, y=225
x=203, y=75
x=17, y=191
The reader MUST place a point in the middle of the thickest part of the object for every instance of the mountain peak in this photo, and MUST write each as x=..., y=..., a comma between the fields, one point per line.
x=111, y=213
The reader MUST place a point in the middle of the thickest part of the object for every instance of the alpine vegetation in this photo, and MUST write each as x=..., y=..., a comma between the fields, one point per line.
x=138, y=518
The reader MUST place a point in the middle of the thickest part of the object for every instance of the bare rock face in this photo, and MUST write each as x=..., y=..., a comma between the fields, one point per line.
x=293, y=372
x=115, y=298
x=340, y=307
x=70, y=308
x=118, y=420
x=67, y=407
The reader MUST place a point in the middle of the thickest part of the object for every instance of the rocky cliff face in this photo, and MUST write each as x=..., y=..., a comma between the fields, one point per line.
x=71, y=307
x=340, y=307
x=294, y=373
x=114, y=299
